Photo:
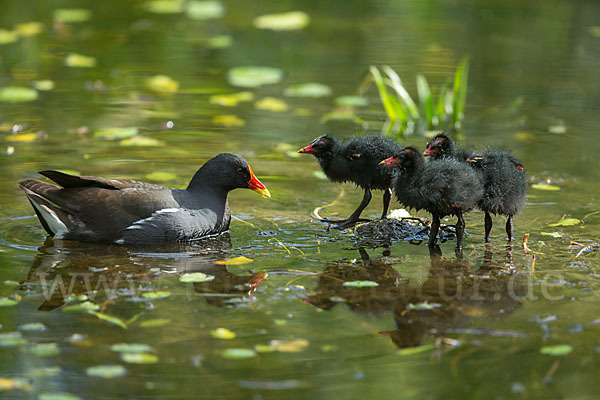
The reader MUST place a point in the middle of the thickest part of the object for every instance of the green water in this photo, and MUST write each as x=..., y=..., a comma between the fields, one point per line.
x=433, y=328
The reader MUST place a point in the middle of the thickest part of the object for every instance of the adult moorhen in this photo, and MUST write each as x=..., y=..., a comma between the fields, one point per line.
x=442, y=187
x=93, y=209
x=356, y=160
x=504, y=179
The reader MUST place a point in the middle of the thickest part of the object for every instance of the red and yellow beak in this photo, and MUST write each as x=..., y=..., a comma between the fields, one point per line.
x=428, y=152
x=307, y=150
x=393, y=161
x=257, y=186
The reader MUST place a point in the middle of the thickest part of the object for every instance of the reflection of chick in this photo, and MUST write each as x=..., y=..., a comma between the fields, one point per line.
x=451, y=297
x=238, y=286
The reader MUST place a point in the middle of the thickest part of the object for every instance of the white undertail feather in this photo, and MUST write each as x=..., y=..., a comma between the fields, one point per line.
x=57, y=227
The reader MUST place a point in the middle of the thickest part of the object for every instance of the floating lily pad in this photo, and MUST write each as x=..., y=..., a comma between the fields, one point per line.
x=7, y=37
x=254, y=76
x=72, y=15
x=220, y=42
x=75, y=60
x=159, y=176
x=106, y=371
x=222, y=333
x=360, y=284
x=545, y=186
x=201, y=10
x=271, y=104
x=57, y=396
x=231, y=99
x=567, y=222
x=238, y=354
x=162, y=84
x=311, y=89
x=283, y=22
x=130, y=348
x=235, y=261
x=110, y=319
x=17, y=94
x=196, y=277
x=82, y=307
x=6, y=302
x=141, y=141
x=165, y=6
x=156, y=295
x=43, y=85
x=228, y=120
x=557, y=350
x=351, y=101
x=289, y=346
x=11, y=339
x=139, y=358
x=116, y=133
x=263, y=348
x=21, y=138
x=156, y=322
x=28, y=29
x=33, y=327
x=45, y=349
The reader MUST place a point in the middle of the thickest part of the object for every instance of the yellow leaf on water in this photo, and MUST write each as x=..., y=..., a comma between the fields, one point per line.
x=21, y=138
x=545, y=186
x=271, y=104
x=29, y=28
x=235, y=261
x=567, y=222
x=222, y=333
x=230, y=99
x=162, y=84
x=228, y=121
x=75, y=60
x=283, y=22
x=289, y=346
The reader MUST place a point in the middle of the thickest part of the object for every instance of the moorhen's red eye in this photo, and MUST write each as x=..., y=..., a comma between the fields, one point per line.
x=240, y=170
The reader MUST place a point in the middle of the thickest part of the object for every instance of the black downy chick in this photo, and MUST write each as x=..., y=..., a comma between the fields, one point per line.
x=503, y=176
x=356, y=160
x=442, y=187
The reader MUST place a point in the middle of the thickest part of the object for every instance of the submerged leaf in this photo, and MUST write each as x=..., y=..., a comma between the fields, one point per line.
x=110, y=319
x=271, y=104
x=557, y=350
x=116, y=133
x=196, y=277
x=130, y=348
x=235, y=261
x=238, y=354
x=545, y=186
x=158, y=176
x=311, y=89
x=567, y=222
x=79, y=61
x=72, y=15
x=361, y=284
x=162, y=84
x=201, y=10
x=17, y=94
x=254, y=76
x=139, y=358
x=283, y=22
x=222, y=333
x=106, y=371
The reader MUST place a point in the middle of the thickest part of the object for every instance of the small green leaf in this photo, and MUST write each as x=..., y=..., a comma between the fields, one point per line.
x=222, y=333
x=320, y=175
x=17, y=94
x=263, y=348
x=552, y=234
x=351, y=101
x=228, y=120
x=360, y=284
x=165, y=6
x=130, y=348
x=106, y=371
x=196, y=277
x=230, y=99
x=557, y=350
x=311, y=89
x=72, y=15
x=283, y=22
x=201, y=10
x=7, y=37
x=545, y=186
x=85, y=306
x=6, y=302
x=235, y=261
x=567, y=222
x=11, y=339
x=33, y=327
x=162, y=84
x=75, y=60
x=116, y=133
x=110, y=319
x=43, y=85
x=45, y=349
x=238, y=354
x=141, y=141
x=156, y=322
x=156, y=295
x=139, y=358
x=271, y=104
x=28, y=29
x=254, y=76
x=57, y=396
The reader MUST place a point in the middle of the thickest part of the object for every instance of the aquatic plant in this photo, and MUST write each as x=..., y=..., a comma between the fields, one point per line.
x=405, y=115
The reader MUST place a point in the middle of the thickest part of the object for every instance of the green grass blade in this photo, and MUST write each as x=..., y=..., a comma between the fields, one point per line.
x=460, y=90
x=425, y=99
x=383, y=93
x=441, y=110
x=403, y=96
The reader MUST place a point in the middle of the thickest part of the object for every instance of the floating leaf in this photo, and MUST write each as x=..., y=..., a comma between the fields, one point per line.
x=57, y=396
x=28, y=29
x=11, y=339
x=156, y=322
x=552, y=234
x=165, y=6
x=220, y=42
x=85, y=306
x=238, y=354
x=415, y=350
x=222, y=333
x=141, y=141
x=45, y=349
x=8, y=36
x=156, y=295
x=75, y=60
x=47, y=371
x=116, y=133
x=6, y=302
x=311, y=89
x=231, y=99
x=263, y=348
x=106, y=371
x=525, y=136
x=558, y=128
x=139, y=358
x=283, y=22
x=320, y=175
x=235, y=261
x=162, y=84
x=567, y=222
x=271, y=104
x=130, y=348
x=340, y=114
x=72, y=15
x=545, y=186
x=201, y=10
x=253, y=76
x=17, y=94
x=361, y=284
x=33, y=327
x=7, y=384
x=43, y=85
x=110, y=319
x=289, y=346
x=21, y=138
x=196, y=277
x=228, y=120
x=159, y=176
x=351, y=101
x=557, y=350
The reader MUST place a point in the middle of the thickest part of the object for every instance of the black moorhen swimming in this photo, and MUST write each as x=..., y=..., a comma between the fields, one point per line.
x=356, y=160
x=442, y=187
x=504, y=179
x=93, y=209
